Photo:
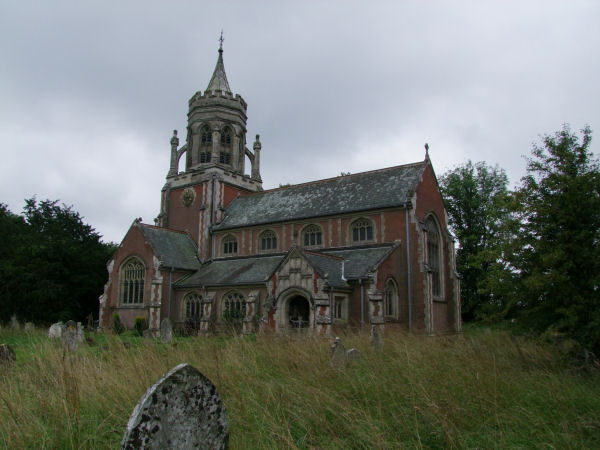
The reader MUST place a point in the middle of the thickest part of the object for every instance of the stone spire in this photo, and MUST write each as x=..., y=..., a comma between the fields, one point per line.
x=219, y=79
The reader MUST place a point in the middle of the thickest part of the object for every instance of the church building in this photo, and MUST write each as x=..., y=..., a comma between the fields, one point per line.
x=364, y=250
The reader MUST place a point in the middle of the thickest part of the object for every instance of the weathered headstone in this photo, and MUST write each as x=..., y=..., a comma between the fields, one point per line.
x=56, y=330
x=376, y=340
x=353, y=355
x=29, y=327
x=166, y=330
x=69, y=336
x=337, y=354
x=181, y=410
x=90, y=322
x=14, y=323
x=79, y=334
x=7, y=355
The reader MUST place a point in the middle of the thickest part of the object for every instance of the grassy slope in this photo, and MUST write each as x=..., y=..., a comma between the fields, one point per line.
x=478, y=390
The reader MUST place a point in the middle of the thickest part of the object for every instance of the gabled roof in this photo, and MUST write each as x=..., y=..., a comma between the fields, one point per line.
x=174, y=248
x=219, y=79
x=350, y=193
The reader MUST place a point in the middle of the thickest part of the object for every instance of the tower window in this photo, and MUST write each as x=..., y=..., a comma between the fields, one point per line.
x=206, y=135
x=226, y=137
x=205, y=157
x=225, y=158
x=362, y=230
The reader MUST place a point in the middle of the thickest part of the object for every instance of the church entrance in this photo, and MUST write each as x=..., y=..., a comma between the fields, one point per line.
x=298, y=312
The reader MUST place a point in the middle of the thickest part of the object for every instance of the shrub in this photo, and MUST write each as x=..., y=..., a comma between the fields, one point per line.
x=141, y=324
x=118, y=326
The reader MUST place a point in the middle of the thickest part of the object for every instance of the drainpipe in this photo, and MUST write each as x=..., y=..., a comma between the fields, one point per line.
x=408, y=273
x=170, y=289
x=212, y=217
x=362, y=304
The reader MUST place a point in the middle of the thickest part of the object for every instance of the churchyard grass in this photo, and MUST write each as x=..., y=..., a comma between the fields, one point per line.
x=477, y=390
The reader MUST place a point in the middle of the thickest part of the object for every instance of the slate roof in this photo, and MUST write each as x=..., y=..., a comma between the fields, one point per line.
x=173, y=248
x=233, y=271
x=219, y=79
x=256, y=270
x=351, y=193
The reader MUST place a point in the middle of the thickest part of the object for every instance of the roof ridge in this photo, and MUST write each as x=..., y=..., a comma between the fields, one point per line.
x=352, y=175
x=322, y=254
x=156, y=227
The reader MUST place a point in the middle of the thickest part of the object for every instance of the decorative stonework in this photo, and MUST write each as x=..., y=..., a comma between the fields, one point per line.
x=188, y=196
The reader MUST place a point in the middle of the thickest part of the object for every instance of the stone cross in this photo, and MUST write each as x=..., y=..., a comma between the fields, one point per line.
x=181, y=410
x=337, y=354
x=166, y=330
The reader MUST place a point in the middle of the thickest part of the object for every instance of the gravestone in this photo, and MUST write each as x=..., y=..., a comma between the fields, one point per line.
x=29, y=327
x=181, y=410
x=166, y=330
x=376, y=340
x=7, y=355
x=14, y=323
x=353, y=355
x=79, y=334
x=337, y=354
x=69, y=336
x=56, y=330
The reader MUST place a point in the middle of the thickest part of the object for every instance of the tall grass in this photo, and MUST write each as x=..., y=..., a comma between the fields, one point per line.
x=474, y=391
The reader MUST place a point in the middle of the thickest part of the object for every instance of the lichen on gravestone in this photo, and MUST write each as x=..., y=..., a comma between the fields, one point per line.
x=182, y=410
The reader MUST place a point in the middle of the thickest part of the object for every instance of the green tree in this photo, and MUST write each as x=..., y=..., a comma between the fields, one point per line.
x=476, y=200
x=558, y=258
x=56, y=265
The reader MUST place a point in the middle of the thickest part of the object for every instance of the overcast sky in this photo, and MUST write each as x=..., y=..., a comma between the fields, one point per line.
x=91, y=91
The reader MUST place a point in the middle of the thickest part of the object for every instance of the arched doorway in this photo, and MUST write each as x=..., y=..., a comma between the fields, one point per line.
x=298, y=312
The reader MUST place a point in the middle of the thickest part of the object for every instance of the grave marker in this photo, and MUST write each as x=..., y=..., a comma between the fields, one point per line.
x=181, y=410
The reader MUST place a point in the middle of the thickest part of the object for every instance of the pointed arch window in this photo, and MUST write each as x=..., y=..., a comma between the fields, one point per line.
x=132, y=282
x=205, y=144
x=434, y=256
x=312, y=236
x=192, y=306
x=230, y=245
x=390, y=299
x=268, y=241
x=362, y=230
x=234, y=306
x=226, y=140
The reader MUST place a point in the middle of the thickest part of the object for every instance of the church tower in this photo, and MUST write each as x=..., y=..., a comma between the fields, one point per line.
x=215, y=153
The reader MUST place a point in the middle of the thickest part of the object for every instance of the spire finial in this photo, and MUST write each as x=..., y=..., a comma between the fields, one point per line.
x=221, y=39
x=426, y=150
